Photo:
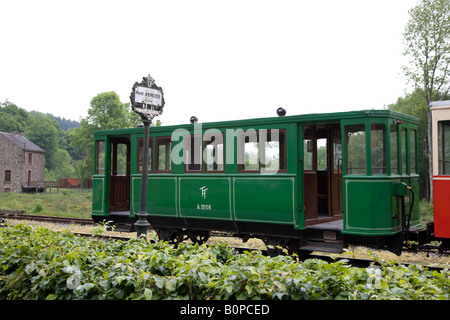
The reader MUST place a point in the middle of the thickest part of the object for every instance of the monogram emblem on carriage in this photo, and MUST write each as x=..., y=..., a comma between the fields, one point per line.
x=203, y=189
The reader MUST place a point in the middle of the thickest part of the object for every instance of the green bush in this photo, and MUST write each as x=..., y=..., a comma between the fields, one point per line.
x=38, y=208
x=37, y=263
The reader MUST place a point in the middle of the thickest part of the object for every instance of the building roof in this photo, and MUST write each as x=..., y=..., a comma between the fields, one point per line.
x=440, y=103
x=21, y=141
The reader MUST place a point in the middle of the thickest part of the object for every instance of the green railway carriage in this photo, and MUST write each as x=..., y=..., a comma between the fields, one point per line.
x=304, y=182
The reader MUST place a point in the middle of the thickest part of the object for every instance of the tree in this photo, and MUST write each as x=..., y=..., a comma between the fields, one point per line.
x=427, y=45
x=12, y=118
x=106, y=112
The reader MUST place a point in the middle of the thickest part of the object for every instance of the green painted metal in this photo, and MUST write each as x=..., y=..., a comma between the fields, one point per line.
x=371, y=201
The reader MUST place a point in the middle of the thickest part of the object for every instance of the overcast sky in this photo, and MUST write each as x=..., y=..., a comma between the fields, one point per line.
x=218, y=60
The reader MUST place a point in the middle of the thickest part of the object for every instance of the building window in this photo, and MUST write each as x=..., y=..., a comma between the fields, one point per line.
x=7, y=175
x=30, y=158
x=29, y=176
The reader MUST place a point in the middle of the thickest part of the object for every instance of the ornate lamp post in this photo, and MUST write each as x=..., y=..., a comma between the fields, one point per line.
x=147, y=100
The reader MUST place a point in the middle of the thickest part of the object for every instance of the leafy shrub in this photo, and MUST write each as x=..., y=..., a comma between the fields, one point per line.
x=38, y=208
x=37, y=263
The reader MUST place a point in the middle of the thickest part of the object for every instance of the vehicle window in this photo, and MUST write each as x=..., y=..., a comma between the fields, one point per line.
x=378, y=148
x=248, y=154
x=274, y=150
x=141, y=154
x=393, y=135
x=444, y=147
x=404, y=155
x=308, y=154
x=214, y=152
x=193, y=153
x=163, y=154
x=100, y=157
x=322, y=159
x=412, y=151
x=355, y=140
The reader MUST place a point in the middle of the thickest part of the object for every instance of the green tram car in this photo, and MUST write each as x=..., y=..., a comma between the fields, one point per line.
x=313, y=182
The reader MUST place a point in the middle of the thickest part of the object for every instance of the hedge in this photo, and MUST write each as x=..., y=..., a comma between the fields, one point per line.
x=37, y=263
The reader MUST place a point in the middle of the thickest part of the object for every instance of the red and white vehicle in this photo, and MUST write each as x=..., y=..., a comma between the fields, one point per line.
x=440, y=111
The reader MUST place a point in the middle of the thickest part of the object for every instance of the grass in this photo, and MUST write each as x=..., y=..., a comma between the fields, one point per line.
x=426, y=212
x=65, y=203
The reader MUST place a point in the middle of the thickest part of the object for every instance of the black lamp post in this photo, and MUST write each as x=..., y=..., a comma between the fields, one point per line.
x=142, y=222
x=147, y=100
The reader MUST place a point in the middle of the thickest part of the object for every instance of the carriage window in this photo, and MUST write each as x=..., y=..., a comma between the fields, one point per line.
x=404, y=135
x=213, y=153
x=308, y=154
x=444, y=147
x=322, y=160
x=100, y=157
x=193, y=153
x=378, y=148
x=393, y=135
x=141, y=154
x=163, y=154
x=248, y=155
x=119, y=156
x=412, y=151
x=274, y=150
x=355, y=140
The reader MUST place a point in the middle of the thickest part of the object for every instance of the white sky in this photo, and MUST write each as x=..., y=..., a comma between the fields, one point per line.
x=218, y=60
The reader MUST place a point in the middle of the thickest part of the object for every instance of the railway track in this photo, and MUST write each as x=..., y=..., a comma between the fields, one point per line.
x=18, y=215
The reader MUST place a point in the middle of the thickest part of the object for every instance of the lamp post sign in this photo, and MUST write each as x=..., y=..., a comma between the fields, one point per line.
x=147, y=100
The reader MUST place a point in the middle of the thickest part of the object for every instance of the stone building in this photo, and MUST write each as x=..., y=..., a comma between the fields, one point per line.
x=21, y=162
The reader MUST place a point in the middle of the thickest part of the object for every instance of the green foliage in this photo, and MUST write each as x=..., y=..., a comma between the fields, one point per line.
x=427, y=45
x=106, y=112
x=37, y=263
x=38, y=208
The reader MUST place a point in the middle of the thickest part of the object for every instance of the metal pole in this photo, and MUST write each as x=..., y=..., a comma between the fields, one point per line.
x=142, y=223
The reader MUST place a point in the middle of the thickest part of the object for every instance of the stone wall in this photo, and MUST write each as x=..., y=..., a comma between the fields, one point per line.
x=15, y=159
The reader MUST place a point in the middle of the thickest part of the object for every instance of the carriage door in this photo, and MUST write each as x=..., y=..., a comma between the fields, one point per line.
x=120, y=175
x=336, y=171
x=322, y=163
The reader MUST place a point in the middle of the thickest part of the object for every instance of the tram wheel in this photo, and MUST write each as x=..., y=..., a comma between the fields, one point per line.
x=171, y=235
x=198, y=236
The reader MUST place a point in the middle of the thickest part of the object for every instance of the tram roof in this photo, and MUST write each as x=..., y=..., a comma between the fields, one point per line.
x=313, y=118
